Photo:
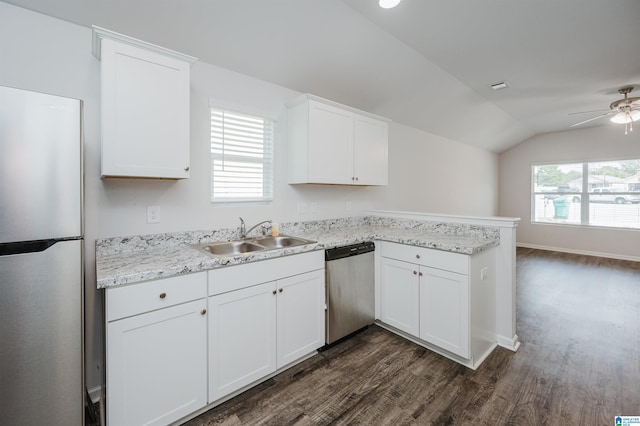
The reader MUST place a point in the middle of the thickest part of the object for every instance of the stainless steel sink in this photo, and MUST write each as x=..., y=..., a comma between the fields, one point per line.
x=239, y=247
x=281, y=241
x=232, y=248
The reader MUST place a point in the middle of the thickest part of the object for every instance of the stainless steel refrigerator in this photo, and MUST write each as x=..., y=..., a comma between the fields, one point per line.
x=41, y=259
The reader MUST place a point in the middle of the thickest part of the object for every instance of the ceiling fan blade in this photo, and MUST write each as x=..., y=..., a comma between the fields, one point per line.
x=584, y=112
x=593, y=118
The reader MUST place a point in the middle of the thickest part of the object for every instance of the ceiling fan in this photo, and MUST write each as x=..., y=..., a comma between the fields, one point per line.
x=625, y=111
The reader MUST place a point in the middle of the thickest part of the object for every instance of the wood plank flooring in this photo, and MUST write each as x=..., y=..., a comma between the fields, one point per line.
x=578, y=319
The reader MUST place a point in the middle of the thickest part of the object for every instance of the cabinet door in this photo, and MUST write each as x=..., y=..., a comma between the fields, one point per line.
x=399, y=295
x=444, y=310
x=370, y=152
x=242, y=338
x=301, y=302
x=330, y=153
x=145, y=113
x=156, y=365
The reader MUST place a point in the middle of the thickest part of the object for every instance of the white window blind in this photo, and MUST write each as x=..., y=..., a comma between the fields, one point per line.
x=241, y=157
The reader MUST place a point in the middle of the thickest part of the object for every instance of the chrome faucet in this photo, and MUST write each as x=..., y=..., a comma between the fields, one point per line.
x=243, y=228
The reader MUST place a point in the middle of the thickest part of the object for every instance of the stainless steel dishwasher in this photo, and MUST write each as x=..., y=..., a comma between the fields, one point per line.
x=350, y=283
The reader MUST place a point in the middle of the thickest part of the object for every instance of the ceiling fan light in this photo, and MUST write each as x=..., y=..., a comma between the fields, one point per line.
x=620, y=118
x=388, y=4
x=625, y=117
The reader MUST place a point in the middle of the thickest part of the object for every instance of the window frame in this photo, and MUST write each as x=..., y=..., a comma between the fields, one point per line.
x=585, y=194
x=250, y=113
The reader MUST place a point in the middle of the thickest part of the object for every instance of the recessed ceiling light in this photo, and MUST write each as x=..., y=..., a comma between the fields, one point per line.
x=499, y=86
x=388, y=4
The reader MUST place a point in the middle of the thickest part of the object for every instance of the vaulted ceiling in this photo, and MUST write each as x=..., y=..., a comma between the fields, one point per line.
x=428, y=64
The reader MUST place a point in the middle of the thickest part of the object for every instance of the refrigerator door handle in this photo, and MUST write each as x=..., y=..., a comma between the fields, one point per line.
x=36, y=246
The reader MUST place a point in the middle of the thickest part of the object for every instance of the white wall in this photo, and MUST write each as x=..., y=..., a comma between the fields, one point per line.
x=427, y=173
x=596, y=143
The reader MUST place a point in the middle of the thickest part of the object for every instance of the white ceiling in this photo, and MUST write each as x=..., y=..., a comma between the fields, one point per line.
x=427, y=63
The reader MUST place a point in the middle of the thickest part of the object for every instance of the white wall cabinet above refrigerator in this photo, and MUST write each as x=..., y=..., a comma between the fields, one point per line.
x=334, y=144
x=144, y=108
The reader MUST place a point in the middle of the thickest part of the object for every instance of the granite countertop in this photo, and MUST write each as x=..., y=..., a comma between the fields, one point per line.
x=162, y=258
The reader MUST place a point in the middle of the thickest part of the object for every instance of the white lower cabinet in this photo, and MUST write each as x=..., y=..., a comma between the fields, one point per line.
x=445, y=300
x=444, y=310
x=242, y=338
x=399, y=295
x=427, y=303
x=256, y=330
x=257, y=327
x=300, y=313
x=156, y=351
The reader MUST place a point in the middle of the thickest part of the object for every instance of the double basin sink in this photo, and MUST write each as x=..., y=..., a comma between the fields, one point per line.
x=238, y=247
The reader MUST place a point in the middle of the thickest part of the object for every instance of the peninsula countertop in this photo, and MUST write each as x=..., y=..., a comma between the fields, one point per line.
x=154, y=261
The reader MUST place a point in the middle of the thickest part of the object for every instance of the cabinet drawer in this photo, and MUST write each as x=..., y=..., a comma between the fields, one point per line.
x=240, y=276
x=151, y=295
x=454, y=262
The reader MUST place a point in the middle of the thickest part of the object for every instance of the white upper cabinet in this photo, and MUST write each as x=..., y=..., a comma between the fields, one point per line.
x=370, y=145
x=334, y=144
x=144, y=108
x=330, y=144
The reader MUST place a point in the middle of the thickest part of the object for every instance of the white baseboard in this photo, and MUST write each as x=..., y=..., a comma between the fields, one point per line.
x=512, y=343
x=581, y=252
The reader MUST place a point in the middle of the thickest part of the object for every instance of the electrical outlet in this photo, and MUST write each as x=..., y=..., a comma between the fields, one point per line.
x=153, y=214
x=303, y=208
x=347, y=205
x=314, y=207
x=484, y=272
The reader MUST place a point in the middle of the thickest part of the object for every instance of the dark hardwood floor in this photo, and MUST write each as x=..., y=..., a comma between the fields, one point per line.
x=578, y=319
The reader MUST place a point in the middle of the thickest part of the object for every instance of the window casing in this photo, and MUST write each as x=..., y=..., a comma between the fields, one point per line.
x=241, y=157
x=608, y=197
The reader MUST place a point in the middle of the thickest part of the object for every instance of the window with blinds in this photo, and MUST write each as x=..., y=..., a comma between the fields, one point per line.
x=241, y=157
x=605, y=193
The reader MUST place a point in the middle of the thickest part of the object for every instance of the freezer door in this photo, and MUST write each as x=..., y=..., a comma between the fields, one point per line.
x=40, y=166
x=41, y=360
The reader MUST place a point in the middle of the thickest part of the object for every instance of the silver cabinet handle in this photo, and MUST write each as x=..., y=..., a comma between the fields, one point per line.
x=420, y=274
x=280, y=290
x=186, y=169
x=163, y=295
x=417, y=256
x=274, y=292
x=204, y=311
x=415, y=272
